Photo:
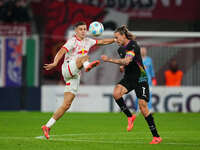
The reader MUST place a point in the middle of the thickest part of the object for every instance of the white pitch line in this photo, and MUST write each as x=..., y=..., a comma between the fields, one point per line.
x=83, y=134
x=95, y=141
x=99, y=140
x=105, y=133
x=118, y=142
x=40, y=137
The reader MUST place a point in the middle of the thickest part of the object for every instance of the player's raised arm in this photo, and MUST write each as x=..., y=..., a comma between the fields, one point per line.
x=106, y=41
x=57, y=58
x=122, y=61
x=96, y=29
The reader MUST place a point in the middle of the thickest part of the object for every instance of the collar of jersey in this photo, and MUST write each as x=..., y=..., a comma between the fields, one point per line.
x=77, y=38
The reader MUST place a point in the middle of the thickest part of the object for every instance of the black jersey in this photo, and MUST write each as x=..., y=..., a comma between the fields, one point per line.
x=135, y=70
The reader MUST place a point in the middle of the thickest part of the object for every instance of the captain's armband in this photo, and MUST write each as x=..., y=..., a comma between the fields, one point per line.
x=130, y=54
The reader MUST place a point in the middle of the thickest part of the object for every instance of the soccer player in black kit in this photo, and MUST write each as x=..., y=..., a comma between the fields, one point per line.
x=135, y=78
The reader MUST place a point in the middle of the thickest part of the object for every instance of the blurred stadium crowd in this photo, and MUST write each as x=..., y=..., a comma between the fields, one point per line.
x=14, y=11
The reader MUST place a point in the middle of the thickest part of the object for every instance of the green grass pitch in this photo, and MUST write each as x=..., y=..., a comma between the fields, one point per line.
x=98, y=131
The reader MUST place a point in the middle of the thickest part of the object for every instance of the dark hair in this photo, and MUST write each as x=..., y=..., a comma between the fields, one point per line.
x=124, y=30
x=79, y=24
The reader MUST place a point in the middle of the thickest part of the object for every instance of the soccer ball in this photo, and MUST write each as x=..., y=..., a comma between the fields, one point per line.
x=96, y=28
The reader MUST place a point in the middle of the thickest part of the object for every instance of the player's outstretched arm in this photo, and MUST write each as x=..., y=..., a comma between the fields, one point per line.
x=57, y=58
x=106, y=41
x=122, y=61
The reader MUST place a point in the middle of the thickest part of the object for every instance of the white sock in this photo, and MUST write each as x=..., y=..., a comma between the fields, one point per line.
x=85, y=64
x=50, y=122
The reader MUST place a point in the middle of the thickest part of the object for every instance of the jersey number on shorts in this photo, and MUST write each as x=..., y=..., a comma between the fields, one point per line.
x=143, y=91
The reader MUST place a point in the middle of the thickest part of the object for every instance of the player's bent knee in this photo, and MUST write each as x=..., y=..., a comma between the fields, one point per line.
x=141, y=108
x=116, y=95
x=144, y=108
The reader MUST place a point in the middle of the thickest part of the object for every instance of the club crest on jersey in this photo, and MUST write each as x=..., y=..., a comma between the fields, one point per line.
x=82, y=52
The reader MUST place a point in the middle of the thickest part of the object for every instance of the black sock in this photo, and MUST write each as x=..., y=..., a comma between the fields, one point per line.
x=152, y=125
x=120, y=102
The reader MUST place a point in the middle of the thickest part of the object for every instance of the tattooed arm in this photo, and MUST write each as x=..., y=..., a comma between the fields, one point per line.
x=122, y=61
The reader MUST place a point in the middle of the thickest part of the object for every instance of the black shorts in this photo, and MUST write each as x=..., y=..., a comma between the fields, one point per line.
x=141, y=89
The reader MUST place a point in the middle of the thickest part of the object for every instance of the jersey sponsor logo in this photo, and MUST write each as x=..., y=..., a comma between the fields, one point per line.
x=82, y=52
x=68, y=83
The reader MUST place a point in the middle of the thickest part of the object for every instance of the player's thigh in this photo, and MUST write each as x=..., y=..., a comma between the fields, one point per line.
x=72, y=84
x=69, y=70
x=119, y=91
x=127, y=85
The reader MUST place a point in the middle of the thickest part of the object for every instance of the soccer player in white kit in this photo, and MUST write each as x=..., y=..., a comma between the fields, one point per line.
x=76, y=58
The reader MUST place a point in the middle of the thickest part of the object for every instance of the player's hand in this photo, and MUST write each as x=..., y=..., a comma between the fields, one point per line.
x=49, y=66
x=104, y=57
x=128, y=60
x=121, y=68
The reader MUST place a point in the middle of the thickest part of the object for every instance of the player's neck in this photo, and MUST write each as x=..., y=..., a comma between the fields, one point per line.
x=126, y=42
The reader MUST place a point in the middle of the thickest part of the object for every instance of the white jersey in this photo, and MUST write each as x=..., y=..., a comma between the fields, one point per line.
x=76, y=48
x=71, y=73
